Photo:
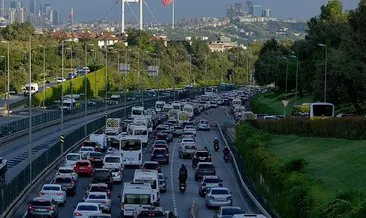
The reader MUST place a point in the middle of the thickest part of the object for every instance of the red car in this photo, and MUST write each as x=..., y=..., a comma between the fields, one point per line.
x=84, y=167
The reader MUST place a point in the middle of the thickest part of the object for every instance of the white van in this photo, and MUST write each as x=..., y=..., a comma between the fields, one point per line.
x=30, y=88
x=112, y=162
x=72, y=158
x=151, y=177
x=140, y=132
x=137, y=112
x=159, y=106
x=135, y=194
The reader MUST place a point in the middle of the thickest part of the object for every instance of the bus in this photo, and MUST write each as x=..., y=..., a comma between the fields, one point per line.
x=313, y=111
x=159, y=105
x=130, y=148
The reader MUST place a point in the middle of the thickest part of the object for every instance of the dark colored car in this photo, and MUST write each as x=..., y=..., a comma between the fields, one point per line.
x=151, y=165
x=96, y=158
x=160, y=155
x=161, y=136
x=68, y=184
x=200, y=156
x=177, y=131
x=169, y=134
x=103, y=176
x=204, y=169
x=42, y=207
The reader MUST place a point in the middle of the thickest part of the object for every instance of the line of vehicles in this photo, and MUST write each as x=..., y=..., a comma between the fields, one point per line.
x=107, y=153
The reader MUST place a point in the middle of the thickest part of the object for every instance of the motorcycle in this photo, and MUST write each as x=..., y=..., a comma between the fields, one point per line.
x=216, y=146
x=226, y=157
x=182, y=187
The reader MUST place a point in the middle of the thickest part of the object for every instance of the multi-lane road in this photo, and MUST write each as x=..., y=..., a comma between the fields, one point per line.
x=173, y=200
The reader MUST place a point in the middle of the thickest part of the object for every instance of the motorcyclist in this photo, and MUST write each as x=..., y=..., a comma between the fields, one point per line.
x=183, y=174
x=216, y=141
x=226, y=150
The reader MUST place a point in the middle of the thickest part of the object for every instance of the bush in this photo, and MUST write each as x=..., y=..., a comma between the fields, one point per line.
x=349, y=128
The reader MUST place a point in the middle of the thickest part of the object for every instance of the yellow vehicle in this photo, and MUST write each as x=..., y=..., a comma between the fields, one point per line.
x=313, y=111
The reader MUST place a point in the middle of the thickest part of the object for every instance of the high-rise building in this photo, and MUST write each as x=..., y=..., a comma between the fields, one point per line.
x=55, y=17
x=2, y=8
x=237, y=8
x=257, y=10
x=16, y=15
x=16, y=4
x=249, y=7
x=33, y=8
x=230, y=12
x=47, y=9
x=266, y=13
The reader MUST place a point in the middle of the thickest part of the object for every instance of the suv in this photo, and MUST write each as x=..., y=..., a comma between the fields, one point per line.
x=204, y=169
x=103, y=176
x=40, y=206
x=68, y=184
x=99, y=187
x=151, y=165
x=208, y=182
x=177, y=131
x=200, y=156
x=160, y=155
x=150, y=211
x=187, y=150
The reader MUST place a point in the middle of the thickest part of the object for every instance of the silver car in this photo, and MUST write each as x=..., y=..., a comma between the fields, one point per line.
x=41, y=206
x=162, y=182
x=228, y=212
x=218, y=197
x=101, y=198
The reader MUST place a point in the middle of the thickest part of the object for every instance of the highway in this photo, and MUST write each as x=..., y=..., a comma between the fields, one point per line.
x=173, y=200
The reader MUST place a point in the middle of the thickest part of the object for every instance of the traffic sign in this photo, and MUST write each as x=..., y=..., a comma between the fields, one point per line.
x=106, y=115
x=62, y=139
x=285, y=102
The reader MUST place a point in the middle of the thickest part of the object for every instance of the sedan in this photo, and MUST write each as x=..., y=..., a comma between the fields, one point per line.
x=85, y=210
x=53, y=191
x=67, y=171
x=84, y=167
x=101, y=198
x=218, y=197
x=191, y=129
x=41, y=206
x=208, y=182
x=60, y=80
x=151, y=165
x=228, y=212
x=160, y=155
x=162, y=182
x=67, y=183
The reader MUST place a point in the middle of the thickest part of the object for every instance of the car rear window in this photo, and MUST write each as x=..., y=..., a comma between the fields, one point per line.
x=63, y=180
x=212, y=181
x=202, y=154
x=95, y=154
x=41, y=203
x=205, y=166
x=151, y=166
x=51, y=188
x=101, y=173
x=97, y=196
x=82, y=164
x=219, y=192
x=87, y=208
x=112, y=159
x=98, y=189
x=73, y=157
x=65, y=171
x=232, y=211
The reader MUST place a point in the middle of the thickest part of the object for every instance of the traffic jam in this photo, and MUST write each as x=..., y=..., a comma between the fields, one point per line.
x=120, y=148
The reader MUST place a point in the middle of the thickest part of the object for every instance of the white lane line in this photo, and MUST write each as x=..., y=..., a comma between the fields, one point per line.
x=172, y=180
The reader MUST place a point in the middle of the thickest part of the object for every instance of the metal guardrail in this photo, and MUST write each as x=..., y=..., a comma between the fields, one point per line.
x=243, y=184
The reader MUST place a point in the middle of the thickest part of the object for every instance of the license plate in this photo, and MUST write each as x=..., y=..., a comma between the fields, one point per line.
x=82, y=168
x=41, y=210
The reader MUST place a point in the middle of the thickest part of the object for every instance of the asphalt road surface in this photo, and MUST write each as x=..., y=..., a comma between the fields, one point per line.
x=172, y=200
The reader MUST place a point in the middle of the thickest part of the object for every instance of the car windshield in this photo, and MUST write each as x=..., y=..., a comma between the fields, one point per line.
x=112, y=160
x=205, y=166
x=63, y=180
x=87, y=208
x=231, y=211
x=73, y=157
x=130, y=145
x=66, y=171
x=151, y=166
x=219, y=192
x=137, y=112
x=204, y=121
x=95, y=155
x=202, y=154
x=97, y=196
x=51, y=188
x=159, y=151
x=41, y=203
x=189, y=147
x=137, y=199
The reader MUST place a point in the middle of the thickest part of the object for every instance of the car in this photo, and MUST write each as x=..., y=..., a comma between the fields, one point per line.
x=117, y=174
x=99, y=187
x=84, y=167
x=103, y=215
x=204, y=169
x=68, y=184
x=96, y=158
x=150, y=211
x=93, y=144
x=177, y=131
x=200, y=156
x=208, y=182
x=53, y=191
x=187, y=140
x=162, y=182
x=186, y=150
x=169, y=136
x=191, y=129
x=41, y=206
x=160, y=146
x=72, y=158
x=151, y=165
x=85, y=150
x=86, y=209
x=204, y=125
x=218, y=197
x=13, y=91
x=248, y=215
x=160, y=155
x=72, y=75
x=188, y=135
x=67, y=171
x=102, y=199
x=60, y=80
x=86, y=69
x=161, y=136
x=111, y=161
x=228, y=212
x=92, y=102
x=103, y=176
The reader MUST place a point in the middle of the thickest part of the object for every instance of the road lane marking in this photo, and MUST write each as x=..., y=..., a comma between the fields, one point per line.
x=172, y=179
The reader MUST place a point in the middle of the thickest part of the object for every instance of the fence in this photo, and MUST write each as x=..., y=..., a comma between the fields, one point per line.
x=23, y=180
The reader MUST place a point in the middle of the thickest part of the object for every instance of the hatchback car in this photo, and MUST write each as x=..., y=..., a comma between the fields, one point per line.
x=218, y=197
x=162, y=182
x=67, y=171
x=228, y=212
x=151, y=165
x=200, y=156
x=85, y=210
x=208, y=182
x=117, y=174
x=204, y=169
x=103, y=176
x=84, y=167
x=41, y=206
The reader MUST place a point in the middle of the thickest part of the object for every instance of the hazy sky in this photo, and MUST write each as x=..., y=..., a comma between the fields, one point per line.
x=96, y=9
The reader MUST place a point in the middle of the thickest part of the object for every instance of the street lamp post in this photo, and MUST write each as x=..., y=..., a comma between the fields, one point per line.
x=30, y=158
x=72, y=73
x=325, y=70
x=190, y=74
x=106, y=82
x=44, y=76
x=297, y=75
x=62, y=94
x=95, y=72
x=8, y=75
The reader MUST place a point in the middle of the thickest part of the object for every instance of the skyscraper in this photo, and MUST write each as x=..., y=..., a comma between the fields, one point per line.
x=47, y=9
x=257, y=10
x=2, y=8
x=266, y=13
x=16, y=4
x=249, y=7
x=55, y=17
x=33, y=8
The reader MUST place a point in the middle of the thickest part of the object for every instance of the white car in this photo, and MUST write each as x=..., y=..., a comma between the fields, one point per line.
x=117, y=174
x=53, y=191
x=72, y=158
x=248, y=215
x=112, y=161
x=218, y=197
x=102, y=199
x=67, y=171
x=84, y=151
x=231, y=211
x=60, y=80
x=191, y=129
x=86, y=69
x=187, y=140
x=86, y=209
x=204, y=125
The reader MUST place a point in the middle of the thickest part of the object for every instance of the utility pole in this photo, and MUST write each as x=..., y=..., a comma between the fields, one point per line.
x=141, y=15
x=30, y=158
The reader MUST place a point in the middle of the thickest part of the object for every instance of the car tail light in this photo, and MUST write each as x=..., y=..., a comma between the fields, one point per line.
x=60, y=194
x=105, y=202
x=77, y=214
x=51, y=208
x=30, y=208
x=122, y=206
